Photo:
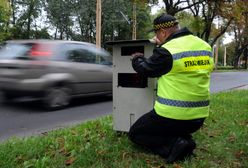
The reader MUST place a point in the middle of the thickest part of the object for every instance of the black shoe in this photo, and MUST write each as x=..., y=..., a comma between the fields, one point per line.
x=181, y=149
x=190, y=149
x=161, y=151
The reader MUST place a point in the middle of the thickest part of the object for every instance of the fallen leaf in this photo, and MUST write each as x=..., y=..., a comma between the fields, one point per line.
x=101, y=152
x=148, y=161
x=124, y=154
x=243, y=123
x=236, y=164
x=239, y=154
x=19, y=158
x=64, y=152
x=74, y=132
x=177, y=166
x=232, y=138
x=44, y=133
x=60, y=140
x=214, y=133
x=69, y=161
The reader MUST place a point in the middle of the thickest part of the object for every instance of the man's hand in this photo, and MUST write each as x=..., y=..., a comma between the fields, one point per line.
x=155, y=40
x=137, y=54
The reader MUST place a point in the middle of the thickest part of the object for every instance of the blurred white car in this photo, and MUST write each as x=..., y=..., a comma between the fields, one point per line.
x=54, y=71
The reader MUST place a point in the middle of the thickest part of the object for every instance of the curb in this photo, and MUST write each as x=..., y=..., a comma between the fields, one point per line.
x=242, y=87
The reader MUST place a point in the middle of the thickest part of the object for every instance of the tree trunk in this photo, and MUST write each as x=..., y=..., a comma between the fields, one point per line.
x=61, y=35
x=223, y=30
x=237, y=56
x=245, y=56
x=55, y=34
x=207, y=31
x=13, y=12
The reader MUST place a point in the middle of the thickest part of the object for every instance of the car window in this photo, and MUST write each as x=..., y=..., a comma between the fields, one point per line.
x=96, y=55
x=82, y=53
x=14, y=51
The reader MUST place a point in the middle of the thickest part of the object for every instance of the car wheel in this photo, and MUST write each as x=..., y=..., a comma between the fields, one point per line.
x=57, y=97
x=5, y=97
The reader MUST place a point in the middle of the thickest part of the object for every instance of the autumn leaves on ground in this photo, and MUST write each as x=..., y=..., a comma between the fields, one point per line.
x=222, y=142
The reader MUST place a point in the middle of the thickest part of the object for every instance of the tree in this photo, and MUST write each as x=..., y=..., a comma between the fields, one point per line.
x=194, y=23
x=173, y=7
x=23, y=22
x=59, y=14
x=203, y=15
x=121, y=26
x=205, y=12
x=239, y=27
x=4, y=19
x=85, y=17
x=33, y=10
x=82, y=17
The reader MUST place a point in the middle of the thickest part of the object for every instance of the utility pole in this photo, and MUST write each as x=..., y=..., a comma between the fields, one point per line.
x=225, y=56
x=217, y=48
x=134, y=20
x=216, y=53
x=98, y=22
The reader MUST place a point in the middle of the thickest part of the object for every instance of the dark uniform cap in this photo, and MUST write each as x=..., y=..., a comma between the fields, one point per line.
x=164, y=21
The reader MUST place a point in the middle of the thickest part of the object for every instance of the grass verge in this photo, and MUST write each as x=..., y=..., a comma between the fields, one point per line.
x=222, y=142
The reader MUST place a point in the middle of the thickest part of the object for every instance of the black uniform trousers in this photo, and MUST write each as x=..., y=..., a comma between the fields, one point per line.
x=154, y=132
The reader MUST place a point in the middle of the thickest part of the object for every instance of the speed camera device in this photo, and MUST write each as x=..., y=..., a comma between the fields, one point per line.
x=133, y=94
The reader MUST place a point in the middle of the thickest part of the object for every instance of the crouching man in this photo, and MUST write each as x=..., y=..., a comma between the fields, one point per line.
x=182, y=63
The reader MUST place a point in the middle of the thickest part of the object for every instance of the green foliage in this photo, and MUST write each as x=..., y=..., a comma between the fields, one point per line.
x=194, y=24
x=58, y=14
x=4, y=17
x=226, y=68
x=4, y=11
x=231, y=53
x=221, y=143
x=144, y=23
x=24, y=15
x=118, y=27
x=226, y=130
x=76, y=19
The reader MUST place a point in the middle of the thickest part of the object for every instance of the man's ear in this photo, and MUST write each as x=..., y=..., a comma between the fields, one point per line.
x=165, y=33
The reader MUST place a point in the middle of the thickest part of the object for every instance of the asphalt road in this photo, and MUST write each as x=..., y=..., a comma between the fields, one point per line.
x=222, y=81
x=23, y=118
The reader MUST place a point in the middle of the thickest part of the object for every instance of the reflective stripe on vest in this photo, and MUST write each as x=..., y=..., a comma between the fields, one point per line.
x=191, y=53
x=179, y=103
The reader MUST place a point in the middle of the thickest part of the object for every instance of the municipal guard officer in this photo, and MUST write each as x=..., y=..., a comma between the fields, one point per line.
x=182, y=63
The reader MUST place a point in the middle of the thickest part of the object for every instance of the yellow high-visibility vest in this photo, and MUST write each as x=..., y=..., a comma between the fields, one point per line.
x=183, y=93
